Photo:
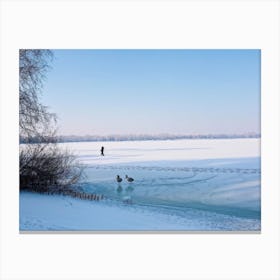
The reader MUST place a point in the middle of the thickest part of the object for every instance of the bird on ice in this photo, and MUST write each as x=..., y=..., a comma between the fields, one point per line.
x=118, y=178
x=129, y=179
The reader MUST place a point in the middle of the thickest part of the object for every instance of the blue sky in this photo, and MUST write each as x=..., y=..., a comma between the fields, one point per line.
x=101, y=92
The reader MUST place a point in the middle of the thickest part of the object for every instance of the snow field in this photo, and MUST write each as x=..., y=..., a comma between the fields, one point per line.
x=179, y=185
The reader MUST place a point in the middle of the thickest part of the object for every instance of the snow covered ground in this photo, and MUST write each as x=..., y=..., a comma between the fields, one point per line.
x=179, y=185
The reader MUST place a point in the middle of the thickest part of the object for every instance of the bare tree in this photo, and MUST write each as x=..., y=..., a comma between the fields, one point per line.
x=34, y=118
x=43, y=165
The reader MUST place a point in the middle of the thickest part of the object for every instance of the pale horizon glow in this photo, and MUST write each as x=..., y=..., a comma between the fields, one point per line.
x=122, y=92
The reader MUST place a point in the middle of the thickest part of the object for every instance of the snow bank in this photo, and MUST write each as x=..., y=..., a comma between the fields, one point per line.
x=58, y=213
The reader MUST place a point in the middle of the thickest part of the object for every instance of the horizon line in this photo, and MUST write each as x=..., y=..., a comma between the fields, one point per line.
x=140, y=137
x=159, y=134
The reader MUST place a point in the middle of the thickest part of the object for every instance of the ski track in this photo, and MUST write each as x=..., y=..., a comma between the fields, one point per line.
x=184, y=169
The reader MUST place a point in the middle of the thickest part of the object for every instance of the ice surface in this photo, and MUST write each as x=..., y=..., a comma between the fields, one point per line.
x=227, y=150
x=179, y=185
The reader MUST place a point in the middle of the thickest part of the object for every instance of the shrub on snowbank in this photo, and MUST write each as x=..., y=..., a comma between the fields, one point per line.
x=44, y=167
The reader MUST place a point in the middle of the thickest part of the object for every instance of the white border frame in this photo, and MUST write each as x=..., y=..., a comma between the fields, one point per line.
x=140, y=24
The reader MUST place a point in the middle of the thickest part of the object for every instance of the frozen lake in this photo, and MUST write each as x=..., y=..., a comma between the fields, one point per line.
x=215, y=181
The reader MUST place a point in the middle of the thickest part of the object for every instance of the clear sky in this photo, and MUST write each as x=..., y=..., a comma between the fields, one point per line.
x=102, y=92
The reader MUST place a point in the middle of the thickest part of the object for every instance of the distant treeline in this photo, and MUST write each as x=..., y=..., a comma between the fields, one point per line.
x=141, y=137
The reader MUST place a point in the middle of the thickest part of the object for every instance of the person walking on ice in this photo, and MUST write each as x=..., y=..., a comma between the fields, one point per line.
x=102, y=151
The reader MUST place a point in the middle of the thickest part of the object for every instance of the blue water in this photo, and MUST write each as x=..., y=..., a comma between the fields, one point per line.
x=226, y=190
